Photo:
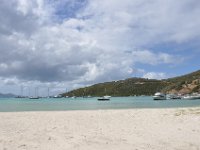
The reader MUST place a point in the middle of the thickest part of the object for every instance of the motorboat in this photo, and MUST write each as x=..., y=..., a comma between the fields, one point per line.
x=57, y=96
x=173, y=96
x=192, y=97
x=159, y=96
x=104, y=98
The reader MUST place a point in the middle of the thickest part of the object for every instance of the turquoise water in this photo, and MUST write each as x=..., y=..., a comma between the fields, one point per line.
x=59, y=104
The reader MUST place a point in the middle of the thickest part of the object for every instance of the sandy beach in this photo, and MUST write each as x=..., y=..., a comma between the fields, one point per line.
x=131, y=129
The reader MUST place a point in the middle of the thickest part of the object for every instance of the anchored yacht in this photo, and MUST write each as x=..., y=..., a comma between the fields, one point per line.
x=159, y=96
x=104, y=98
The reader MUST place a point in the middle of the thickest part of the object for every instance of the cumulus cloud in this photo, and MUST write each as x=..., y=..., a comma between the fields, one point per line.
x=76, y=43
x=155, y=75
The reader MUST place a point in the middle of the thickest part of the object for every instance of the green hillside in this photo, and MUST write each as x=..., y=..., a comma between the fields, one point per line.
x=132, y=86
x=188, y=83
x=139, y=86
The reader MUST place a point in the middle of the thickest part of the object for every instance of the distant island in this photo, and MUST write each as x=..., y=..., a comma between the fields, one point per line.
x=7, y=95
x=185, y=84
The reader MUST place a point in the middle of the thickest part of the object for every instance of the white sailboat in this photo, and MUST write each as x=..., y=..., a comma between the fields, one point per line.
x=36, y=94
x=104, y=98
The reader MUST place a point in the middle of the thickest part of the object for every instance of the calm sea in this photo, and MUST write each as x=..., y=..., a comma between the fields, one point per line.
x=59, y=104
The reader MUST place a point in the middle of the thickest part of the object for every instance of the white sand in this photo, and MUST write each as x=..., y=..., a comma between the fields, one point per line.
x=141, y=129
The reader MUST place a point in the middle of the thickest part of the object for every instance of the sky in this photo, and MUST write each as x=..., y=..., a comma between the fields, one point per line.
x=67, y=44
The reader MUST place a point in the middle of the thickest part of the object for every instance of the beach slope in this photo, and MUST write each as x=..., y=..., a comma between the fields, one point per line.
x=141, y=129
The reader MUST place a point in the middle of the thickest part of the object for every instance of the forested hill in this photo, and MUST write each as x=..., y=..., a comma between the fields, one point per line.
x=131, y=86
x=139, y=86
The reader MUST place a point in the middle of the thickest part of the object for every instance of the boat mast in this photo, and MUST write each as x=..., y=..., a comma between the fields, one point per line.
x=48, y=91
x=22, y=88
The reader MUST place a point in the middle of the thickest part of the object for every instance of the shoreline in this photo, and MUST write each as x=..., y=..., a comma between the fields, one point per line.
x=171, y=128
x=107, y=109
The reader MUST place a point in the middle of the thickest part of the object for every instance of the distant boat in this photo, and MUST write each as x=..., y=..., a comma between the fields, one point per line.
x=33, y=97
x=57, y=96
x=87, y=96
x=21, y=97
x=159, y=96
x=192, y=97
x=173, y=96
x=36, y=94
x=104, y=98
